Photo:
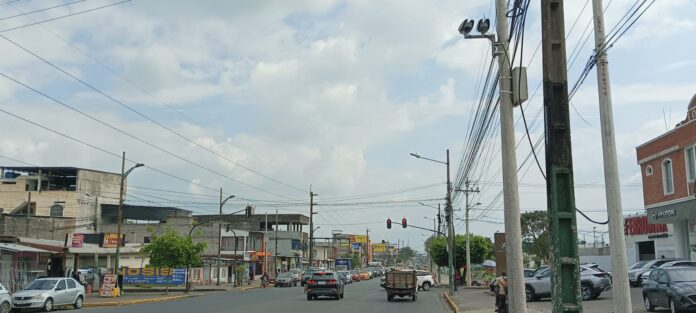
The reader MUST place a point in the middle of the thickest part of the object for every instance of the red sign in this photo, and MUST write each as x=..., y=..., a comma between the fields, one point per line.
x=111, y=241
x=638, y=225
x=77, y=240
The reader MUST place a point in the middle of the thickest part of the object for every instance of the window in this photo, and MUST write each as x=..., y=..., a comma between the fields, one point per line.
x=71, y=284
x=667, y=177
x=662, y=277
x=691, y=163
x=61, y=285
x=649, y=170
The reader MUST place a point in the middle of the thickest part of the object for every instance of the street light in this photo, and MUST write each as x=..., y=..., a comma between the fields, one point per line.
x=449, y=214
x=222, y=203
x=124, y=174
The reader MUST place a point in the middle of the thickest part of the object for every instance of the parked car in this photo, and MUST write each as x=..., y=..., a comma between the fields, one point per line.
x=425, y=281
x=364, y=275
x=636, y=272
x=645, y=275
x=355, y=276
x=670, y=287
x=297, y=273
x=286, y=280
x=48, y=293
x=324, y=284
x=5, y=300
x=348, y=275
x=592, y=284
x=529, y=273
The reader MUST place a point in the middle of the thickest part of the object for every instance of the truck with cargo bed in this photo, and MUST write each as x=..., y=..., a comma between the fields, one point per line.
x=401, y=284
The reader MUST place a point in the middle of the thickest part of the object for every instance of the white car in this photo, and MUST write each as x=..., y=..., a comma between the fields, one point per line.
x=5, y=300
x=425, y=280
x=48, y=293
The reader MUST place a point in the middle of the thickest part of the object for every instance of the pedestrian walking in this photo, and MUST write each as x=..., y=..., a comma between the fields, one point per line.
x=501, y=293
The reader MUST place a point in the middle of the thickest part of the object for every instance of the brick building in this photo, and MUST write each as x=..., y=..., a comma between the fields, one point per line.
x=668, y=166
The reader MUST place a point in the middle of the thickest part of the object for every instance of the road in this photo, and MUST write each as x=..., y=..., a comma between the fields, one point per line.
x=363, y=297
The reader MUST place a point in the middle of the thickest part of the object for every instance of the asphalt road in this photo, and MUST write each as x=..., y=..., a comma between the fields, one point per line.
x=363, y=297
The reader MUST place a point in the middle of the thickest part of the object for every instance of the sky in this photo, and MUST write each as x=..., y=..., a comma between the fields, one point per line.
x=269, y=99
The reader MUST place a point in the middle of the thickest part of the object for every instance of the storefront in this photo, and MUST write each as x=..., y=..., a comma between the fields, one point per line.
x=645, y=241
x=681, y=218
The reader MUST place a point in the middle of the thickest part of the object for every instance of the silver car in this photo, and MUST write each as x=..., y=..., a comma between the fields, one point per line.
x=593, y=281
x=5, y=300
x=49, y=293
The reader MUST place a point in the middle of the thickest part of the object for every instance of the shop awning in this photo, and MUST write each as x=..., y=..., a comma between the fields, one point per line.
x=20, y=248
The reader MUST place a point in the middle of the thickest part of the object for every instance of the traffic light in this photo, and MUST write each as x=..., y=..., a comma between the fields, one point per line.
x=388, y=223
x=227, y=227
x=247, y=211
x=403, y=222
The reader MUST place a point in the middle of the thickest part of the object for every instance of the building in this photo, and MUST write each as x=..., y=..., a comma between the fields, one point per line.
x=68, y=196
x=645, y=241
x=668, y=166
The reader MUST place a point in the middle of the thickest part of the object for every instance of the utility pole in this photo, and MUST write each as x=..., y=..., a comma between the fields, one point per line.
x=275, y=258
x=450, y=227
x=511, y=197
x=367, y=245
x=311, y=226
x=594, y=236
x=265, y=245
x=467, y=190
x=29, y=213
x=219, y=240
x=439, y=220
x=120, y=216
x=619, y=263
x=565, y=277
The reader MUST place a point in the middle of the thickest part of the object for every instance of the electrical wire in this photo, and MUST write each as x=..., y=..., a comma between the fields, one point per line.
x=63, y=16
x=41, y=10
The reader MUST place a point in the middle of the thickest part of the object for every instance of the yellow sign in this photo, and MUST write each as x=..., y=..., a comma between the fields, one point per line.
x=379, y=248
x=361, y=238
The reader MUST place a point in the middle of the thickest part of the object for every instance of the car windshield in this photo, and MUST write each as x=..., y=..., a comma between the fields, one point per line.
x=42, y=284
x=285, y=275
x=682, y=275
x=638, y=265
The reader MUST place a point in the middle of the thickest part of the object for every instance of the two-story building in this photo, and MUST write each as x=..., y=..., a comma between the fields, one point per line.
x=668, y=166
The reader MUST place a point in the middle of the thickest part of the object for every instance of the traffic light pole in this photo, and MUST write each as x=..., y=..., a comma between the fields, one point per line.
x=565, y=277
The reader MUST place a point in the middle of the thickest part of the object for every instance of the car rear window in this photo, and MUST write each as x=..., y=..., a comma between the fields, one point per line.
x=323, y=275
x=71, y=284
x=682, y=275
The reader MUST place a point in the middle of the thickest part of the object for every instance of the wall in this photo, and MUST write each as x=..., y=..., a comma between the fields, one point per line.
x=39, y=227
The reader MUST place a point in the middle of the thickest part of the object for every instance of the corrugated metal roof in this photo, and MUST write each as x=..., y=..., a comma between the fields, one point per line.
x=20, y=248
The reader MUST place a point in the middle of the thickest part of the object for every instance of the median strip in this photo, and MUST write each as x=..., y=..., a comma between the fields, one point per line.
x=136, y=301
x=453, y=306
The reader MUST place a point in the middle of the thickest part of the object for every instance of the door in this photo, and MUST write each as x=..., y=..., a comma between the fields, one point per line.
x=661, y=292
x=650, y=287
x=61, y=293
x=72, y=290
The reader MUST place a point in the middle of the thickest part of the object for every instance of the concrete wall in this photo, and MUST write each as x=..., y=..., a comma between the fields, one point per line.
x=39, y=227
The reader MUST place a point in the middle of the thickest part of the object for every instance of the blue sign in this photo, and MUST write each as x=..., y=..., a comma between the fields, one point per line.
x=154, y=276
x=356, y=246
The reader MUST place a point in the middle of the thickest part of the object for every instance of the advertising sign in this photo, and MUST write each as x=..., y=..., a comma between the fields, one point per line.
x=355, y=246
x=361, y=238
x=108, y=285
x=379, y=248
x=110, y=241
x=77, y=240
x=153, y=276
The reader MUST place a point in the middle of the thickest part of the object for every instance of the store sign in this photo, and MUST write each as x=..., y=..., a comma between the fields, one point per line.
x=379, y=248
x=361, y=238
x=153, y=276
x=110, y=241
x=638, y=225
x=656, y=215
x=77, y=240
x=356, y=246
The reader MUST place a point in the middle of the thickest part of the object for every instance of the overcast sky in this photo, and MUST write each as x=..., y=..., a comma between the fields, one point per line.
x=265, y=98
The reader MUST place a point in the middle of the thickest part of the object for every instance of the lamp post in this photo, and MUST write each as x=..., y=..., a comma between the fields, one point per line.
x=449, y=214
x=222, y=203
x=124, y=174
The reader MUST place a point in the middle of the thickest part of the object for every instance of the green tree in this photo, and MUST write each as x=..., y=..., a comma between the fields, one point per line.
x=481, y=250
x=406, y=253
x=535, y=234
x=173, y=251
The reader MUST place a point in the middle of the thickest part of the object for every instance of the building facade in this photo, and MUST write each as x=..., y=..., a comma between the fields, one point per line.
x=668, y=166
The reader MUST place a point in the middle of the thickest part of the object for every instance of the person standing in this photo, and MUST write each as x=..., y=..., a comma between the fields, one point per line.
x=501, y=291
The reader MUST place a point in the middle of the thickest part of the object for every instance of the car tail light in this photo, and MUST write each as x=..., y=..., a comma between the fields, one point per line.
x=312, y=282
x=332, y=282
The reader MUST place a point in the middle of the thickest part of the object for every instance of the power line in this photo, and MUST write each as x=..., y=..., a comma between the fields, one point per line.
x=63, y=16
x=41, y=10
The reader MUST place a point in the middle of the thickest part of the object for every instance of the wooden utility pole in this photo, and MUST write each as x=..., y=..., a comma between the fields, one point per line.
x=565, y=277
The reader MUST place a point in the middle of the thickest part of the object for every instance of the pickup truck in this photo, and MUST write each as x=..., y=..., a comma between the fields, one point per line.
x=401, y=284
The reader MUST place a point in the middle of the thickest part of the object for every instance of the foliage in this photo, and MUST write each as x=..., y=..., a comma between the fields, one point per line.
x=172, y=250
x=535, y=234
x=481, y=250
x=406, y=253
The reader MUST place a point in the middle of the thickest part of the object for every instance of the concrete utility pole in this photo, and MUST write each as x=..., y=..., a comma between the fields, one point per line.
x=594, y=236
x=565, y=277
x=467, y=190
x=619, y=263
x=367, y=245
x=29, y=212
x=265, y=245
x=311, y=226
x=511, y=197
x=219, y=252
x=275, y=258
x=450, y=227
x=120, y=215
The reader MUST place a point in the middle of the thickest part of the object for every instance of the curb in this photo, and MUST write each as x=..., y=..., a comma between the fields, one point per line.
x=249, y=288
x=139, y=301
x=453, y=306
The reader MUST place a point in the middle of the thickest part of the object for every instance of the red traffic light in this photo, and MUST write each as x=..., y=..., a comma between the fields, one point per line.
x=403, y=222
x=389, y=223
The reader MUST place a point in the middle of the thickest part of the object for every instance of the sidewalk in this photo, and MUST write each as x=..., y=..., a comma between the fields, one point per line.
x=478, y=300
x=196, y=288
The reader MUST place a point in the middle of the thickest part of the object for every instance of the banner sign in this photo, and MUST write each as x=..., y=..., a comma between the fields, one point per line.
x=110, y=241
x=355, y=246
x=153, y=276
x=379, y=248
x=361, y=238
x=77, y=240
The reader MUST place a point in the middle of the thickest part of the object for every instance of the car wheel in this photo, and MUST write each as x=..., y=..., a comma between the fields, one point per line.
x=78, y=303
x=586, y=291
x=673, y=307
x=426, y=286
x=648, y=305
x=343, y=295
x=48, y=305
x=414, y=298
x=390, y=298
x=5, y=307
x=309, y=297
x=530, y=295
